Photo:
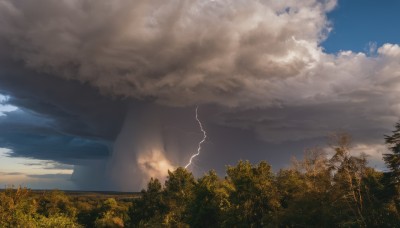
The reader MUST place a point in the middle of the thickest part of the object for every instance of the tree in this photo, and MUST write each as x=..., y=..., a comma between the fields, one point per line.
x=55, y=203
x=178, y=193
x=111, y=215
x=379, y=212
x=392, y=178
x=87, y=210
x=349, y=173
x=359, y=191
x=17, y=208
x=392, y=160
x=254, y=196
x=210, y=203
x=150, y=208
x=56, y=221
x=166, y=206
x=305, y=191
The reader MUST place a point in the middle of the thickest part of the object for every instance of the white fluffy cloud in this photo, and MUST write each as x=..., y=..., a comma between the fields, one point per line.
x=4, y=108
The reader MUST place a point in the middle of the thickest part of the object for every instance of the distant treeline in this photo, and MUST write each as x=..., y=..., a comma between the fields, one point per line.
x=317, y=191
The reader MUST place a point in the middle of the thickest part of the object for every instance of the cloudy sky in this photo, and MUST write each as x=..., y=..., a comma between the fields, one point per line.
x=101, y=95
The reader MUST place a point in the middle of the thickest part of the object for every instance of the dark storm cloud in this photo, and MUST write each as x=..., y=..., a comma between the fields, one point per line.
x=65, y=120
x=74, y=107
x=296, y=123
x=49, y=143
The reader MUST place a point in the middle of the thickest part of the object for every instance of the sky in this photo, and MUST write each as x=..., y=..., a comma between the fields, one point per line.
x=359, y=24
x=99, y=95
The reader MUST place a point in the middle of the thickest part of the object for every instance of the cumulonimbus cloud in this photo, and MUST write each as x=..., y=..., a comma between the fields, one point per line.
x=260, y=62
x=176, y=52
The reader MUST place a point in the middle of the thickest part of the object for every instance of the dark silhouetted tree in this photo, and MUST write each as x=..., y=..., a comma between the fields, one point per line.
x=392, y=160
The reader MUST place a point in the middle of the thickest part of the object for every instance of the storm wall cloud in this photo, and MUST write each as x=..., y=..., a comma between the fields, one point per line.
x=111, y=86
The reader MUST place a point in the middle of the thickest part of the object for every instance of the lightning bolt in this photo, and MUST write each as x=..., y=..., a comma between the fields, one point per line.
x=201, y=142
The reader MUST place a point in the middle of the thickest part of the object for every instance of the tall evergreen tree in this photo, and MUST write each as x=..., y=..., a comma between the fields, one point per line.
x=392, y=160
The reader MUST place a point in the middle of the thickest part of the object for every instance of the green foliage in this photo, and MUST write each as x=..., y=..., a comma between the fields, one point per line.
x=111, y=214
x=254, y=196
x=210, y=202
x=178, y=193
x=150, y=208
x=318, y=191
x=55, y=203
x=18, y=208
x=108, y=219
x=166, y=206
x=56, y=221
x=87, y=211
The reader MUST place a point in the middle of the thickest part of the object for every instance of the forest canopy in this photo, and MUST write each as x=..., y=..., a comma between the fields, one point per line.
x=317, y=191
